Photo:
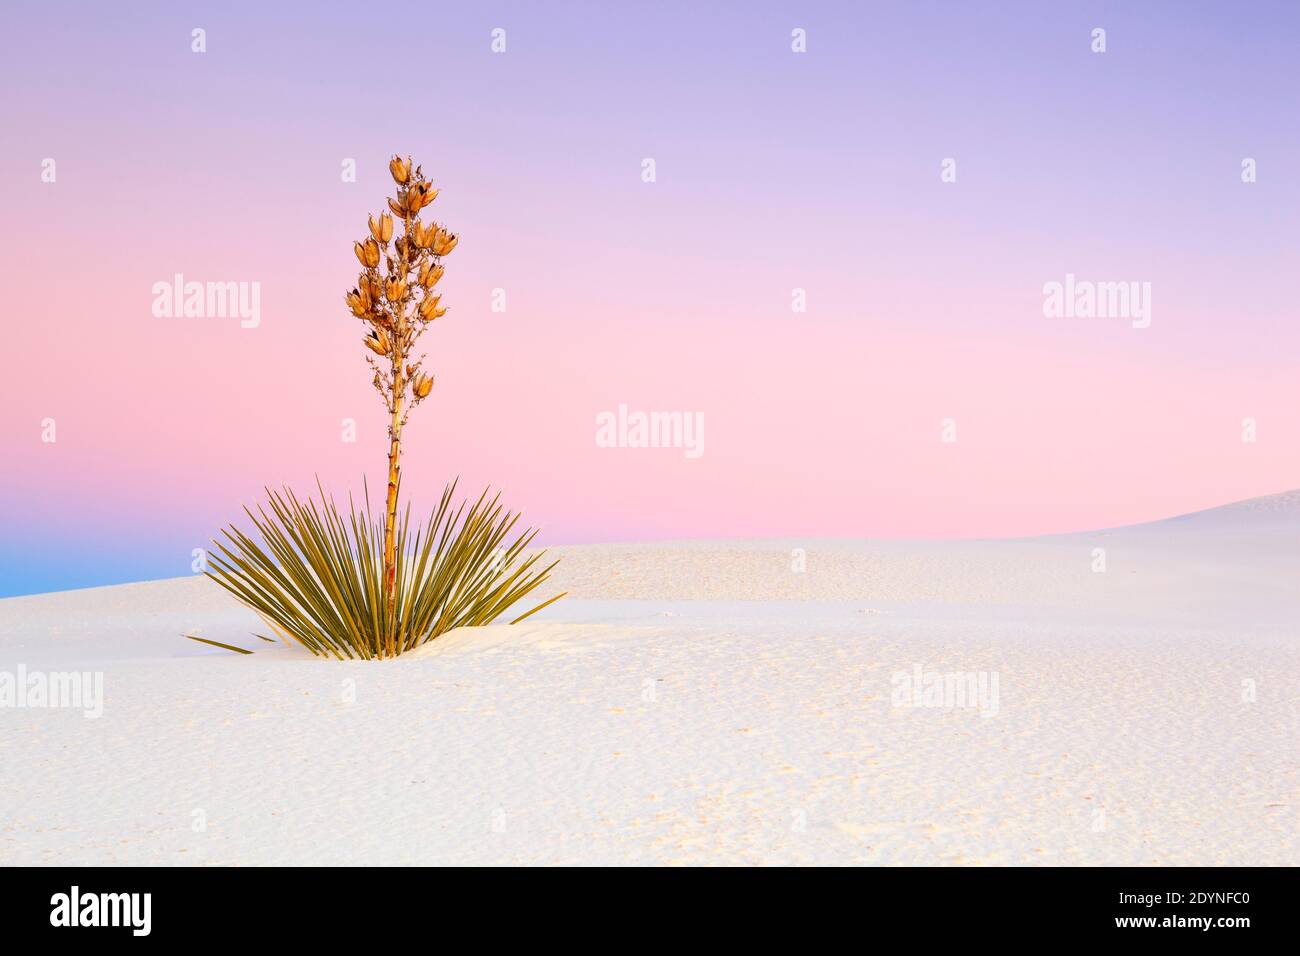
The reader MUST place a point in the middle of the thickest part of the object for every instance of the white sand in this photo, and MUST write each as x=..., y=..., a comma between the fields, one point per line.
x=702, y=703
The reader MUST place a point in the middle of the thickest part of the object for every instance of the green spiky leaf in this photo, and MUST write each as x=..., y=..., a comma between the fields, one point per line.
x=316, y=576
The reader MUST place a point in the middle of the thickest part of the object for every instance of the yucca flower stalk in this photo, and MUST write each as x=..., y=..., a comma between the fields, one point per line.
x=338, y=584
x=397, y=307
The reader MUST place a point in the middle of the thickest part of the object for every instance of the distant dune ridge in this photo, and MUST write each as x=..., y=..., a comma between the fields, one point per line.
x=1246, y=546
x=1279, y=512
x=704, y=702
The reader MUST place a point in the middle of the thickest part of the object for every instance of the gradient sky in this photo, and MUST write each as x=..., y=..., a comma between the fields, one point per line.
x=775, y=170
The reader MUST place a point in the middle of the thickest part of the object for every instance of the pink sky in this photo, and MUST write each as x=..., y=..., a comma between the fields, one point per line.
x=775, y=171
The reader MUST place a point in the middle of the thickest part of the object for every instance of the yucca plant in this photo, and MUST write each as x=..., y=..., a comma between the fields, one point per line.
x=342, y=585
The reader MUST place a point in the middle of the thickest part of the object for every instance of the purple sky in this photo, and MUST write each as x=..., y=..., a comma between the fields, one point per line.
x=775, y=171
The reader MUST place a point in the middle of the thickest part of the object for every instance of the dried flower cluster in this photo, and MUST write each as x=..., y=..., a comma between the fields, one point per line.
x=397, y=302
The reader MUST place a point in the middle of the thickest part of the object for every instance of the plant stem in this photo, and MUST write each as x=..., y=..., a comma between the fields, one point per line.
x=390, y=513
x=395, y=444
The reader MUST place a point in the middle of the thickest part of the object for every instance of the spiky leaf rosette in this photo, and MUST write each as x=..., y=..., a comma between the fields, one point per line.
x=316, y=577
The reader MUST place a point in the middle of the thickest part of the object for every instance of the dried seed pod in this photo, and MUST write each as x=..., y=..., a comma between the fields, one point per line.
x=358, y=306
x=429, y=275
x=401, y=169
x=422, y=385
x=367, y=253
x=382, y=228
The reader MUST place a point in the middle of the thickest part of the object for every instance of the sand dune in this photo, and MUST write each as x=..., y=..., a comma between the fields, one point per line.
x=703, y=702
